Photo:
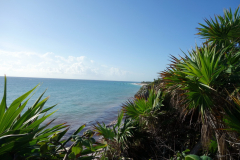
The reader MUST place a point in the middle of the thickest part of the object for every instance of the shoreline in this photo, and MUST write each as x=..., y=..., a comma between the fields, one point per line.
x=140, y=84
x=108, y=117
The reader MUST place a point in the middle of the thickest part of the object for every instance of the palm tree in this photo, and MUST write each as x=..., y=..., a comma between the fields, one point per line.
x=222, y=30
x=204, y=76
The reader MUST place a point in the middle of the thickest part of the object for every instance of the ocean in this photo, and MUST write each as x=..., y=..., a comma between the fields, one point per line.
x=78, y=101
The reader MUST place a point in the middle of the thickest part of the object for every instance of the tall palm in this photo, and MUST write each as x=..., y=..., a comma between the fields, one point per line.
x=207, y=72
x=222, y=30
x=204, y=75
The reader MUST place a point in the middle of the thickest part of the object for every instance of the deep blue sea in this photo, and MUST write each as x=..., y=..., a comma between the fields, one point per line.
x=79, y=101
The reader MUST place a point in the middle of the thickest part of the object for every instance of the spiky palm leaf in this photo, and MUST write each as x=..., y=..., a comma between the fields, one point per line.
x=222, y=30
x=104, y=131
x=204, y=75
x=140, y=108
x=21, y=131
x=117, y=133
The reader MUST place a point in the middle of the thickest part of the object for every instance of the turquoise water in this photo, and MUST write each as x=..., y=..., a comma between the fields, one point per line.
x=79, y=101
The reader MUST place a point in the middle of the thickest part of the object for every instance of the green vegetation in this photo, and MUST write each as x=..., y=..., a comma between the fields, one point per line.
x=191, y=112
x=24, y=136
x=198, y=112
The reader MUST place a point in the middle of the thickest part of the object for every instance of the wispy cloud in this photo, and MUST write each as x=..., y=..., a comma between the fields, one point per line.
x=51, y=65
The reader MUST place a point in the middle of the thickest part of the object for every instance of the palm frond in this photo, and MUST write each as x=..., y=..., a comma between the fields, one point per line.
x=222, y=30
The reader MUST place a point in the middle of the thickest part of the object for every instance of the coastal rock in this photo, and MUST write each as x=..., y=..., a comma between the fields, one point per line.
x=143, y=91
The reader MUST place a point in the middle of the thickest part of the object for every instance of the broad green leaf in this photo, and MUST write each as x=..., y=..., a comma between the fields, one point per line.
x=76, y=150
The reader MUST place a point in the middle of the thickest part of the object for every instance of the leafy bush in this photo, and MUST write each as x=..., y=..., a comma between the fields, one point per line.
x=142, y=110
x=116, y=135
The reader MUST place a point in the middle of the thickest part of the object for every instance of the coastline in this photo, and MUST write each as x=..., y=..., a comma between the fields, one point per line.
x=140, y=84
x=108, y=116
x=141, y=90
x=112, y=120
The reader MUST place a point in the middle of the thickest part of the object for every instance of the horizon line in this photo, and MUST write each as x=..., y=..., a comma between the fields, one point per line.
x=72, y=79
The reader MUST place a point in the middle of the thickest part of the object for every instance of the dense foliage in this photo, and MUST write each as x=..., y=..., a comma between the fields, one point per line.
x=199, y=111
x=191, y=112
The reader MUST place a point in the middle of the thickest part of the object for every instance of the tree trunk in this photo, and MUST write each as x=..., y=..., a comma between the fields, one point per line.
x=221, y=146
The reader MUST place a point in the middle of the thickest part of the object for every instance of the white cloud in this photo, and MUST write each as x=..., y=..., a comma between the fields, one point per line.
x=50, y=65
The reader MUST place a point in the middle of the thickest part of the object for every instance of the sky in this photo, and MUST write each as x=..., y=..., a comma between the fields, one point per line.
x=123, y=40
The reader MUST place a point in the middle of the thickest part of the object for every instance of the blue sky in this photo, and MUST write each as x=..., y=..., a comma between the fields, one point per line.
x=127, y=40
